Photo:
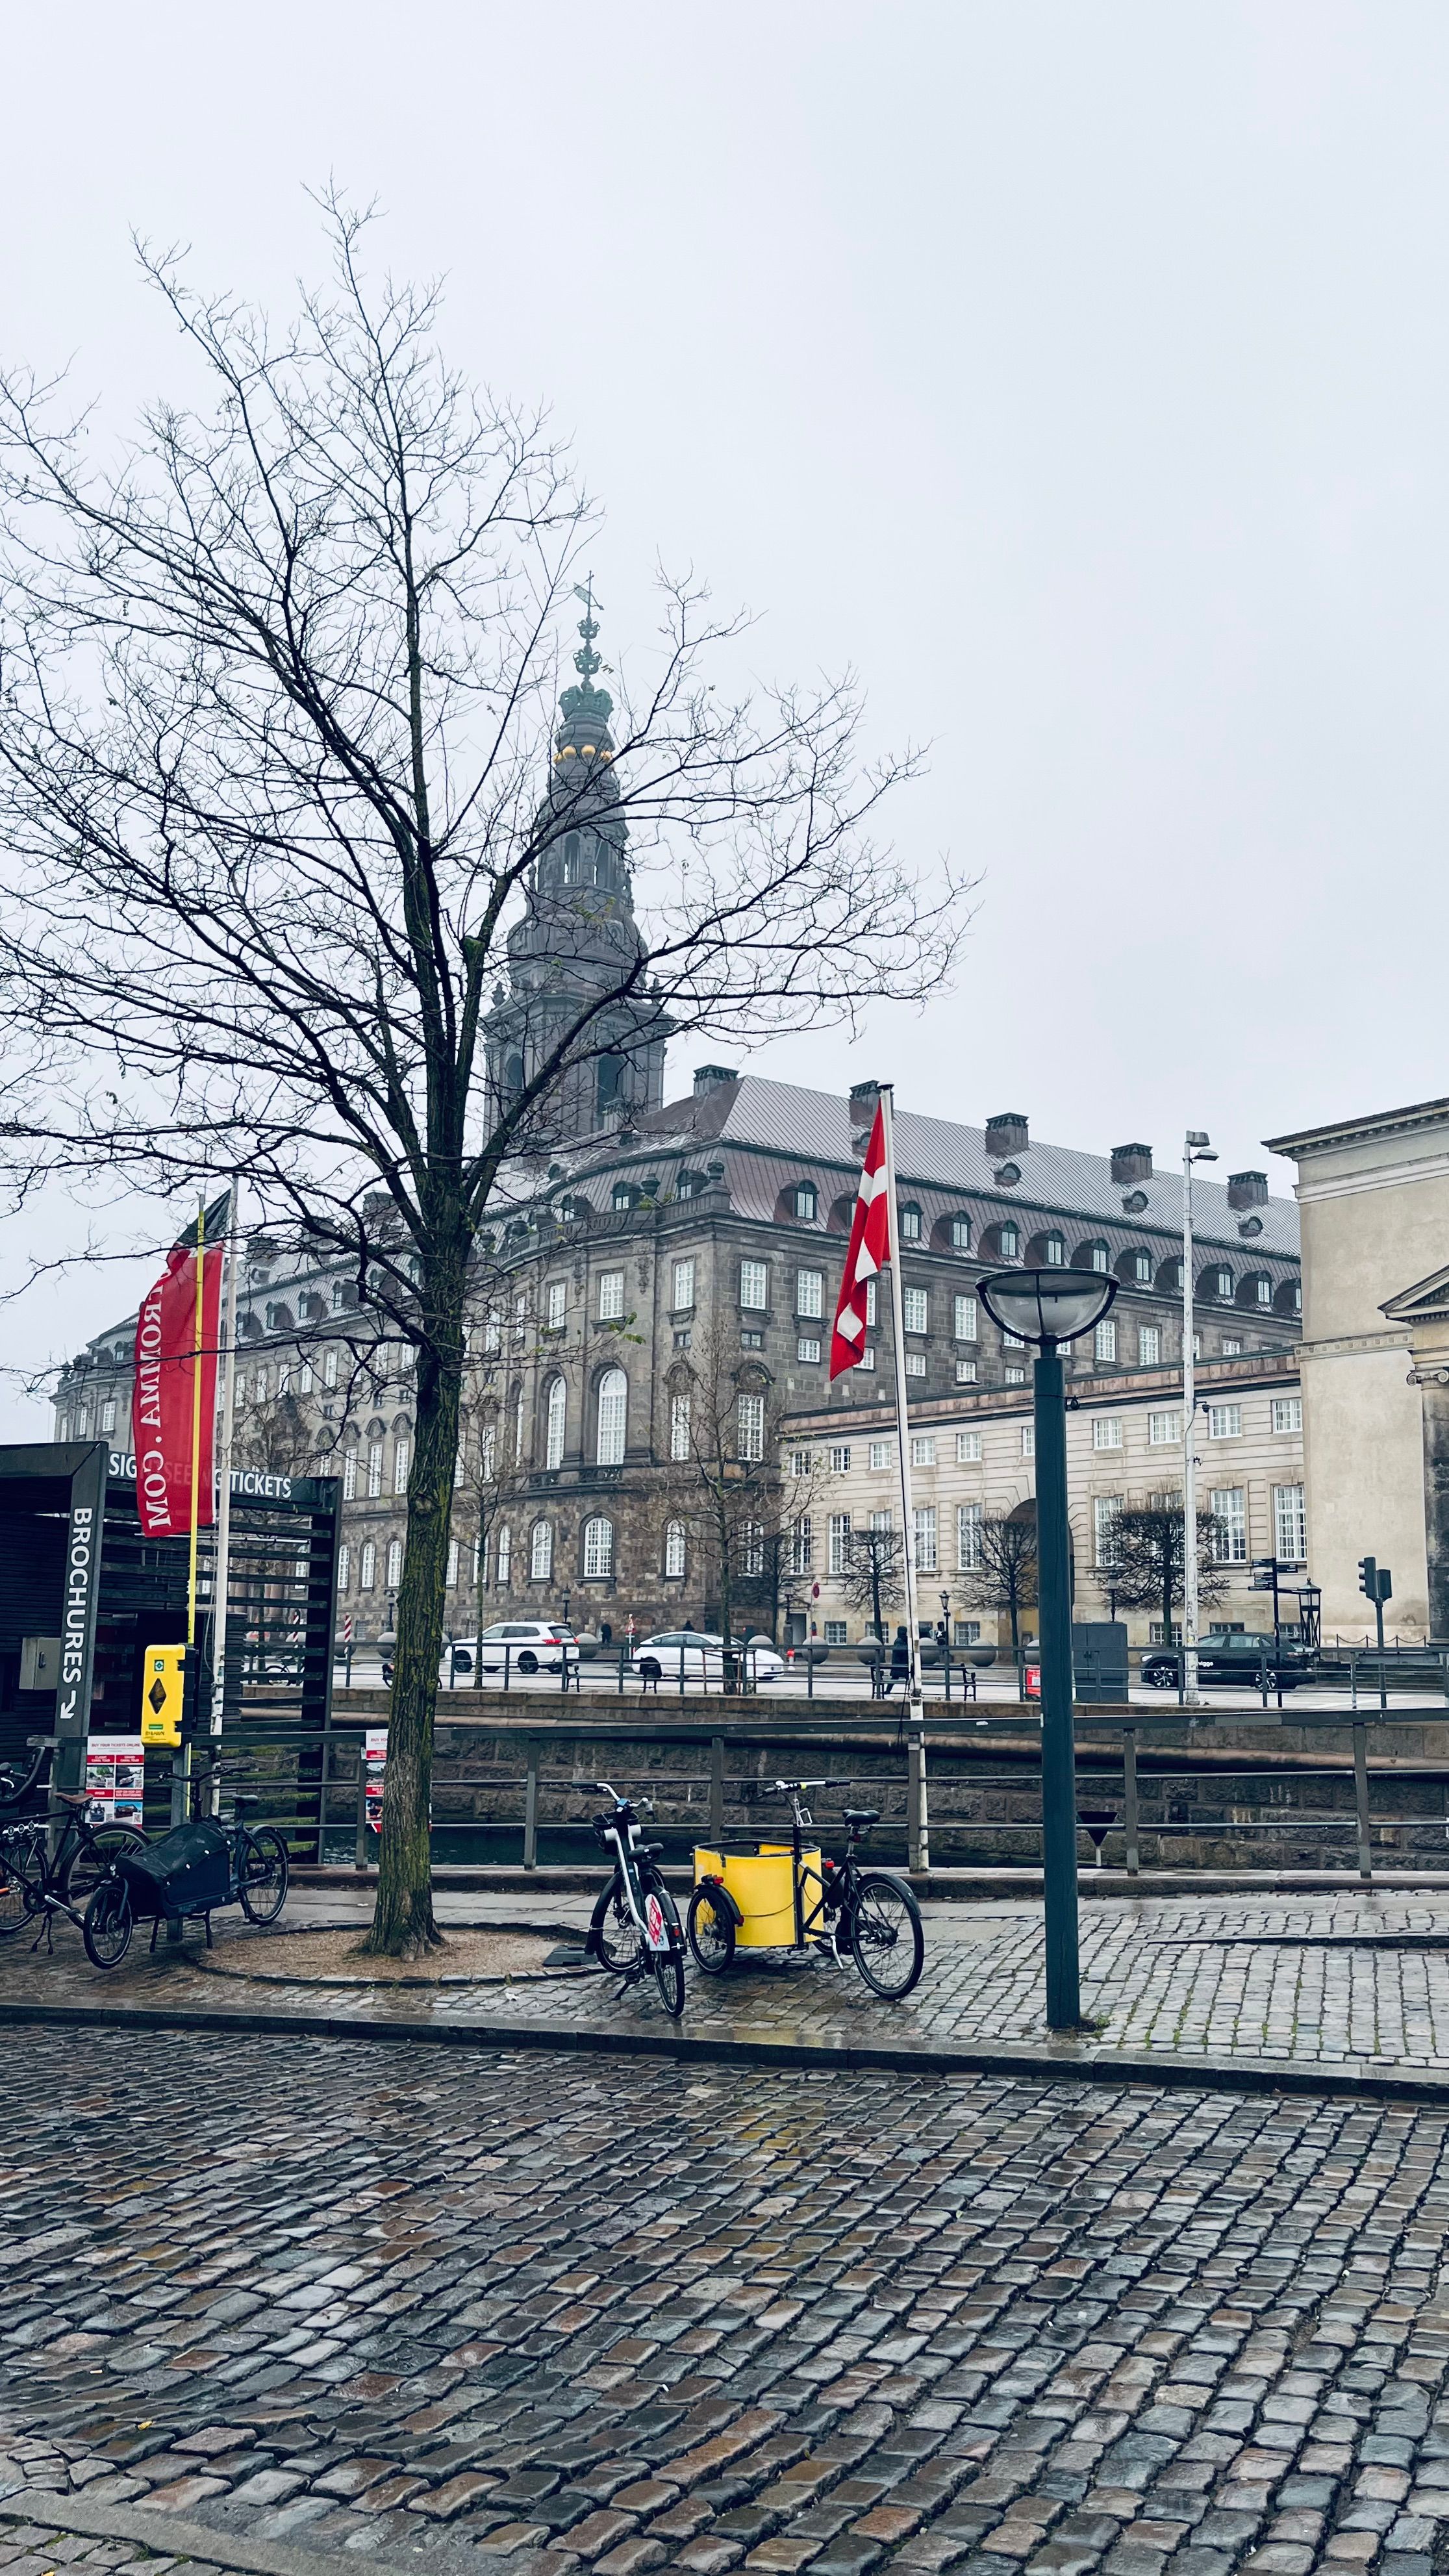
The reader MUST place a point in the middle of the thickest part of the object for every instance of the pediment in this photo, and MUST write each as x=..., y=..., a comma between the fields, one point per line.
x=1425, y=1303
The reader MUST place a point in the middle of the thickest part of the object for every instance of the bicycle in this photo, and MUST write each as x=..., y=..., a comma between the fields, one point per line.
x=635, y=1925
x=258, y=1872
x=37, y=1881
x=872, y=1909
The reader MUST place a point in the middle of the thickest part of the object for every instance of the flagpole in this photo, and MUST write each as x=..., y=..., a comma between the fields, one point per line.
x=221, y=1583
x=920, y=1841
x=181, y=1770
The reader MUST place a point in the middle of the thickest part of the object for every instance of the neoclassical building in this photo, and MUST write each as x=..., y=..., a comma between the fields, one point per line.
x=637, y=1232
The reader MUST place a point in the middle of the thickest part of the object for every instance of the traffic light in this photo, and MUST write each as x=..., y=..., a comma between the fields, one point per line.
x=1375, y=1581
x=163, y=1694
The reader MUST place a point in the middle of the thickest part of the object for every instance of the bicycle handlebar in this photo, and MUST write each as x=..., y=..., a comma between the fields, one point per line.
x=12, y=1794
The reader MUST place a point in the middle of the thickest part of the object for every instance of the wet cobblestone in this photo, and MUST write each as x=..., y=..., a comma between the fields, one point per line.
x=509, y=2311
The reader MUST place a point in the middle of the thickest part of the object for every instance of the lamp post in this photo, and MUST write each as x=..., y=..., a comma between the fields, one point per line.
x=1048, y=1308
x=1196, y=1149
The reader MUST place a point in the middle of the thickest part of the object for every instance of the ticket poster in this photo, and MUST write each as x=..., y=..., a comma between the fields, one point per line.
x=115, y=1779
x=374, y=1768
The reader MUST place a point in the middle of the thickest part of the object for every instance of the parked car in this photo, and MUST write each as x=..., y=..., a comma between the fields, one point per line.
x=659, y=1658
x=1230, y=1657
x=524, y=1645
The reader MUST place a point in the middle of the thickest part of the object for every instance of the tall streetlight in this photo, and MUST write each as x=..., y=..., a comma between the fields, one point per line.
x=1047, y=1308
x=1196, y=1149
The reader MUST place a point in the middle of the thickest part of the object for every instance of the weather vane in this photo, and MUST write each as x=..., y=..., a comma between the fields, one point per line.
x=587, y=662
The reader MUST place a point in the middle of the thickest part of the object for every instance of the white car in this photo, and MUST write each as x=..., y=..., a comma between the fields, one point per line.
x=659, y=1658
x=517, y=1645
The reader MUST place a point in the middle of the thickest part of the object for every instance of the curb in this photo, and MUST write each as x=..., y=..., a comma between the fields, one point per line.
x=1048, y=2062
x=958, y=1886
x=170, y=2535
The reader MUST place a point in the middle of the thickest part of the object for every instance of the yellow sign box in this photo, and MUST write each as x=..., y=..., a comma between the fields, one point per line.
x=163, y=1694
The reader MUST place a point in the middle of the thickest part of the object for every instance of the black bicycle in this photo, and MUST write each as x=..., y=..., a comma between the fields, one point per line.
x=635, y=1927
x=36, y=1881
x=870, y=1911
x=213, y=1865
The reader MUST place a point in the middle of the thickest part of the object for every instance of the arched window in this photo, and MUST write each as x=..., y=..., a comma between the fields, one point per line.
x=556, y=1422
x=368, y=1574
x=674, y=1548
x=505, y=1556
x=1055, y=1250
x=610, y=1083
x=571, y=858
x=540, y=1558
x=394, y=1563
x=512, y=1076
x=613, y=1417
x=598, y=1549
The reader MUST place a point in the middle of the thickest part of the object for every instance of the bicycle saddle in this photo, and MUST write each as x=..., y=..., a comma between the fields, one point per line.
x=241, y=1802
x=861, y=1815
x=71, y=1797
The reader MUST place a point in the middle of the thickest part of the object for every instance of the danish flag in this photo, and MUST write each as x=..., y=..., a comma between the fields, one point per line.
x=869, y=1250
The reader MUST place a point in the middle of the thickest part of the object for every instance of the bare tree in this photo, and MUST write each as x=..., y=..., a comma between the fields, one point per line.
x=1143, y=1566
x=874, y=1579
x=491, y=1482
x=724, y=1485
x=1004, y=1575
x=275, y=702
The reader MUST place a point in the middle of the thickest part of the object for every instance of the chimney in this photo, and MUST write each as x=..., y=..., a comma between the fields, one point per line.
x=707, y=1076
x=1247, y=1189
x=1131, y=1162
x=863, y=1098
x=1007, y=1134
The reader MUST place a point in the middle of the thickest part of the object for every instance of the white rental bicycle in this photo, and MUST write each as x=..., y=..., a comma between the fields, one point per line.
x=635, y=1928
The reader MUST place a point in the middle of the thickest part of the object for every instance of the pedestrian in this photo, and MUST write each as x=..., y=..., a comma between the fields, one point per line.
x=900, y=1660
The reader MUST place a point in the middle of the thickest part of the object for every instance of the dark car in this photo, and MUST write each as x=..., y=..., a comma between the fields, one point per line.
x=1230, y=1656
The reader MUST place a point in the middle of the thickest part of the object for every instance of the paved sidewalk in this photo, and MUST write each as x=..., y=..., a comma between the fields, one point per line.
x=1348, y=1987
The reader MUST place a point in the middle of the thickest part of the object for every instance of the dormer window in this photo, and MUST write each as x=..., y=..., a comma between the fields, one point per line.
x=1142, y=1269
x=623, y=1195
x=806, y=1202
x=1223, y=1285
x=910, y=1224
x=1010, y=1242
x=960, y=1234
x=1097, y=1256
x=1264, y=1291
x=1054, y=1251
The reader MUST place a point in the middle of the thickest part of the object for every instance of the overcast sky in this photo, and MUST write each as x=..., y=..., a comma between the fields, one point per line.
x=1077, y=372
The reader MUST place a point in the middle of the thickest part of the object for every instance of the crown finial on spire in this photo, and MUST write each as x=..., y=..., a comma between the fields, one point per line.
x=587, y=661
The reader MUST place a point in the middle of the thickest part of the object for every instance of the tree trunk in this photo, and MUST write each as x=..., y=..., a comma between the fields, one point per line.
x=478, y=1604
x=403, y=1926
x=1168, y=1588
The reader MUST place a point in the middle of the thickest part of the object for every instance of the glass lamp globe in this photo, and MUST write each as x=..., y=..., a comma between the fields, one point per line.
x=1047, y=1306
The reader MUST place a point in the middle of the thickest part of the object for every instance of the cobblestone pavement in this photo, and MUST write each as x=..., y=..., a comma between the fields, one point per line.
x=1343, y=1980
x=508, y=2312
x=38, y=2549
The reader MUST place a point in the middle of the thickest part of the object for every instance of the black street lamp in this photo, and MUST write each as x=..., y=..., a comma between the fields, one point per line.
x=1047, y=1308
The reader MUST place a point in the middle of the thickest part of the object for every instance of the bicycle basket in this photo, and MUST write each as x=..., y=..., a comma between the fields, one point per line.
x=187, y=1872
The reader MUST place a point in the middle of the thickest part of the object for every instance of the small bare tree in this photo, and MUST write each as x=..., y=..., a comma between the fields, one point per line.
x=1144, y=1566
x=875, y=1574
x=725, y=1485
x=491, y=1483
x=277, y=683
x=1004, y=1574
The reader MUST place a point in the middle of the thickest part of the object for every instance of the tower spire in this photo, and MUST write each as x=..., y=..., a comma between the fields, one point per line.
x=587, y=661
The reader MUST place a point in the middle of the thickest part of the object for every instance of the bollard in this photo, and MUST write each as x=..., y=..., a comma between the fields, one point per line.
x=1361, y=1801
x=1129, y=1797
x=716, y=1789
x=507, y=1661
x=621, y=1668
x=530, y=1810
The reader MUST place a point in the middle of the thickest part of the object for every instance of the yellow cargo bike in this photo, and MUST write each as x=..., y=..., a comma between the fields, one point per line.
x=758, y=1894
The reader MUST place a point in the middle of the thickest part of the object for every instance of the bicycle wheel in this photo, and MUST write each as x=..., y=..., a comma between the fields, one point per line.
x=263, y=1874
x=614, y=1935
x=22, y=1872
x=91, y=1861
x=108, y=1923
x=711, y=1932
x=886, y=1939
x=668, y=1965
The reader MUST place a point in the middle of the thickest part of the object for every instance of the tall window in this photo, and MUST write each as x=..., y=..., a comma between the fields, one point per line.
x=923, y=1449
x=878, y=1453
x=1223, y=1285
x=751, y=1433
x=679, y=1428
x=344, y=1568
x=1142, y=1269
x=1287, y=1416
x=367, y=1573
x=329, y=1365
x=598, y=1549
x=960, y=1234
x=910, y=1223
x=925, y=1536
x=915, y=1310
x=683, y=1285
x=1028, y=1440
x=339, y=1296
x=674, y=1548
x=1054, y=1250
x=754, y=1284
x=1105, y=1510
x=505, y=1557
x=752, y=1549
x=613, y=1417
x=401, y=1452
x=840, y=1459
x=1229, y=1508
x=1097, y=1256
x=839, y=1559
x=872, y=1302
x=611, y=1296
x=540, y=1559
x=108, y=1414
x=968, y=1537
x=452, y=1564
x=1264, y=1289
x=800, y=1552
x=394, y=1563
x=555, y=1305
x=964, y=1327
x=1104, y=1341
x=1010, y=1243
x=555, y=1423
x=968, y=1448
x=1149, y=1346
x=809, y=1292
x=261, y=1386
x=349, y=1474
x=1290, y=1530
x=374, y=1469
x=806, y=1202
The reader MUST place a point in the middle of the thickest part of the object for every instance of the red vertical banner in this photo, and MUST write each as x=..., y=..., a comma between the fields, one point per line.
x=164, y=1397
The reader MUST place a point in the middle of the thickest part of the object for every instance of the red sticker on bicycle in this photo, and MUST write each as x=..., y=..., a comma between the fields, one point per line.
x=654, y=1918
